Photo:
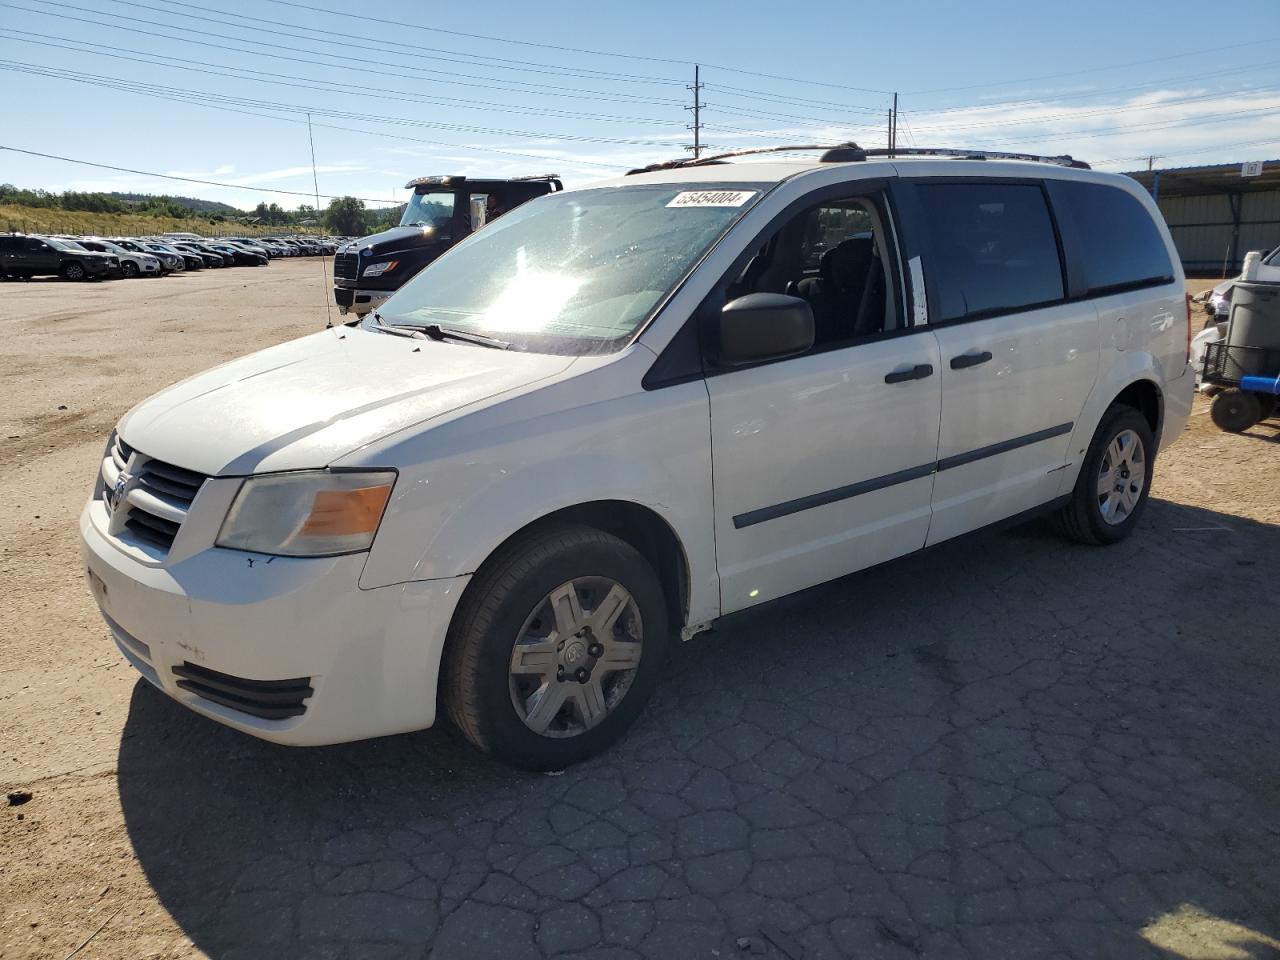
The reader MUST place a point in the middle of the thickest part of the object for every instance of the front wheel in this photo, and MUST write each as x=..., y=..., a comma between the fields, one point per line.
x=556, y=647
x=129, y=269
x=73, y=271
x=1114, y=481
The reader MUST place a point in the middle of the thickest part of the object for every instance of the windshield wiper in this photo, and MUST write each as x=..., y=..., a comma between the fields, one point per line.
x=434, y=331
x=395, y=329
x=437, y=332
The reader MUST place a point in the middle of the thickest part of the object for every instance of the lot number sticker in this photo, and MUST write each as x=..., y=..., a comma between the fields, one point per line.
x=712, y=198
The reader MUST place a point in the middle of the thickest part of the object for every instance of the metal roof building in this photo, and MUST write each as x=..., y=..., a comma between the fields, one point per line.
x=1218, y=213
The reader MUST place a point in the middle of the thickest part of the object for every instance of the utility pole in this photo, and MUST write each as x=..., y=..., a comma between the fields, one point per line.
x=893, y=127
x=697, y=113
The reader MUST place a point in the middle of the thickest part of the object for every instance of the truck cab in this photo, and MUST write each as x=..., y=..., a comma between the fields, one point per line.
x=441, y=212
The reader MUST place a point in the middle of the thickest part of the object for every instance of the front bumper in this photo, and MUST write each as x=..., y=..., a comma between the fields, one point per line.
x=354, y=300
x=370, y=657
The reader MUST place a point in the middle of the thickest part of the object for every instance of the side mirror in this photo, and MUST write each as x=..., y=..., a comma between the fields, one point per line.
x=764, y=326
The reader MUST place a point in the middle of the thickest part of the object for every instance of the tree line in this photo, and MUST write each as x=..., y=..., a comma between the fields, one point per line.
x=347, y=216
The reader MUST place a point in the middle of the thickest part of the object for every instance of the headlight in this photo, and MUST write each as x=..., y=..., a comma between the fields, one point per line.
x=307, y=514
x=378, y=269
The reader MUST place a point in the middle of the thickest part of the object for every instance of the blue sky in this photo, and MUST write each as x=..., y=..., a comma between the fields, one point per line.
x=219, y=90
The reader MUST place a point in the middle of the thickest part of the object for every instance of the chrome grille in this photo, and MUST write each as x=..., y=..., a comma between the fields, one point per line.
x=346, y=266
x=151, y=505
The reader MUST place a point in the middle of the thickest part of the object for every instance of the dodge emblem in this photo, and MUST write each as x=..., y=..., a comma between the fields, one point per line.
x=116, y=494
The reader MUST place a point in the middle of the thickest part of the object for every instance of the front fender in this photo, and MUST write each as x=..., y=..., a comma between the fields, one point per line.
x=469, y=484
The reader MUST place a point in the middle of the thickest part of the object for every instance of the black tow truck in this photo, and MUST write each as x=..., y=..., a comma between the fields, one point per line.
x=441, y=212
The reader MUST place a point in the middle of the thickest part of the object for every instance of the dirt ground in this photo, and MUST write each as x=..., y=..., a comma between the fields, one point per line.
x=1032, y=750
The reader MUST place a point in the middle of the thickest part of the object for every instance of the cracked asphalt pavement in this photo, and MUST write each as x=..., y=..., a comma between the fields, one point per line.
x=1009, y=747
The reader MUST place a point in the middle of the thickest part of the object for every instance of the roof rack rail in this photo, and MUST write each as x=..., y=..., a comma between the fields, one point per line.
x=539, y=176
x=1063, y=160
x=852, y=153
x=723, y=157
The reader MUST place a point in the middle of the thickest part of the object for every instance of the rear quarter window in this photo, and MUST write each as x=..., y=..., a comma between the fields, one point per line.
x=994, y=248
x=1118, y=244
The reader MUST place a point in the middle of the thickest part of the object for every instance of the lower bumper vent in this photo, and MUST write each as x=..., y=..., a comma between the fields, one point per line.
x=268, y=699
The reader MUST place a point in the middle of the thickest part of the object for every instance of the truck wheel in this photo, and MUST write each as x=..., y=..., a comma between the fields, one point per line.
x=73, y=271
x=557, y=645
x=1235, y=410
x=1114, y=480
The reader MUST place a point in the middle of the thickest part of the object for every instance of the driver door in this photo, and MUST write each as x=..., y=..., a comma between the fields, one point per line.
x=39, y=257
x=823, y=463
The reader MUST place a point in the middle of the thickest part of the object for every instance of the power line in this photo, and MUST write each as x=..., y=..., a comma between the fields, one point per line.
x=346, y=42
x=615, y=54
x=166, y=92
x=1100, y=132
x=1105, y=111
x=379, y=93
x=168, y=176
x=551, y=46
x=1091, y=70
x=499, y=62
x=178, y=97
x=1273, y=141
x=444, y=77
x=311, y=8
x=1084, y=95
x=745, y=93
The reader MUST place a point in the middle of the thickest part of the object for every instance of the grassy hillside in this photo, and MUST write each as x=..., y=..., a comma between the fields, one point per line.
x=195, y=203
x=54, y=220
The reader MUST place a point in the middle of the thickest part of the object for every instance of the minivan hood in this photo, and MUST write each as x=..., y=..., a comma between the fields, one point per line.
x=305, y=403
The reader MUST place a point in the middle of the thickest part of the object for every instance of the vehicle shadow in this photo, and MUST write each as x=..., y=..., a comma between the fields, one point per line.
x=1007, y=746
x=1268, y=430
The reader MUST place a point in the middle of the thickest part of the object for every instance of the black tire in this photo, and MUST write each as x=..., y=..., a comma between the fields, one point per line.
x=129, y=269
x=73, y=271
x=1082, y=519
x=1235, y=410
x=475, y=685
x=1266, y=406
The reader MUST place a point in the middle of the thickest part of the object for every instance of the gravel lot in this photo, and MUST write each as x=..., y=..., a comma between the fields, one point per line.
x=1009, y=747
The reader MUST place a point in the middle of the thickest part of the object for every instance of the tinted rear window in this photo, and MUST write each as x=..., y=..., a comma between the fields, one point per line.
x=1120, y=245
x=994, y=248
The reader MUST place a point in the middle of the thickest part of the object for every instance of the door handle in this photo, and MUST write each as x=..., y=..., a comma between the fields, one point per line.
x=918, y=372
x=970, y=359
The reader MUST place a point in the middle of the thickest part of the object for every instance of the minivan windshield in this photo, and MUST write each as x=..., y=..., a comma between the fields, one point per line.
x=572, y=273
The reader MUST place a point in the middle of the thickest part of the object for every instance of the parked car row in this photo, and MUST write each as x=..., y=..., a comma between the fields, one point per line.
x=23, y=256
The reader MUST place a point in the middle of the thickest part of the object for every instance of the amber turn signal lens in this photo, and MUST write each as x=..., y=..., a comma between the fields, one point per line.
x=343, y=513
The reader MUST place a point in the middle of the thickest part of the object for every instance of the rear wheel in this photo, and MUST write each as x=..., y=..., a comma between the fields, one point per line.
x=556, y=647
x=1115, y=479
x=73, y=271
x=1235, y=410
x=1266, y=405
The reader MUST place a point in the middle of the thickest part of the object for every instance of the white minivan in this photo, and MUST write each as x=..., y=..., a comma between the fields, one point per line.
x=620, y=412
